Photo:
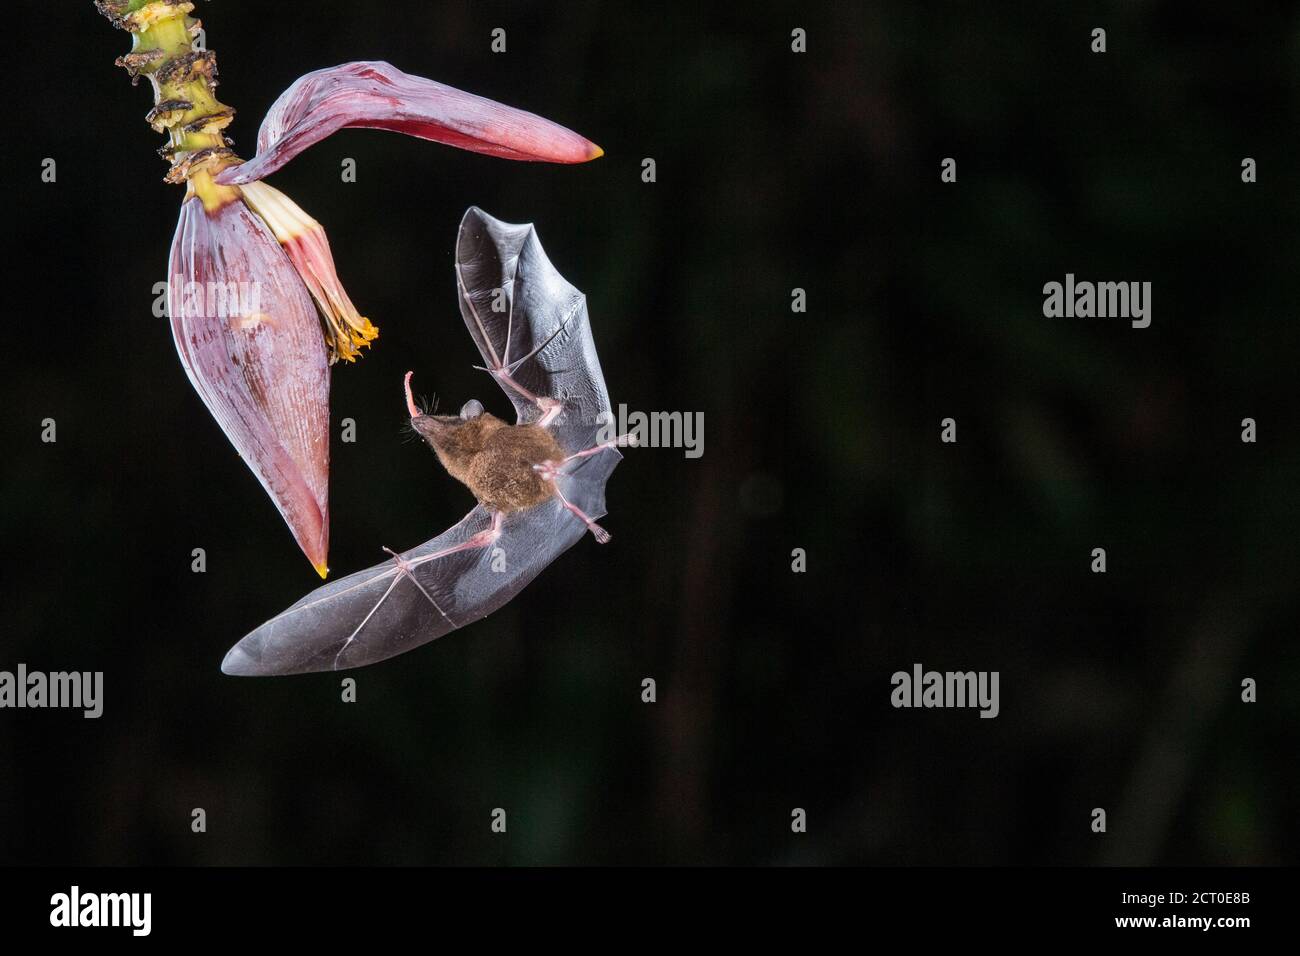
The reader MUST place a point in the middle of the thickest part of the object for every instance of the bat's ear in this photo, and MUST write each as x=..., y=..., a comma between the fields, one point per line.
x=471, y=409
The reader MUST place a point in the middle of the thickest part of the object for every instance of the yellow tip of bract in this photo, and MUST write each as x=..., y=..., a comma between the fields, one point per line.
x=596, y=152
x=322, y=570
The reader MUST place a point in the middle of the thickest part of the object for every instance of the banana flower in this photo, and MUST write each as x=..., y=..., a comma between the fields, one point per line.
x=256, y=306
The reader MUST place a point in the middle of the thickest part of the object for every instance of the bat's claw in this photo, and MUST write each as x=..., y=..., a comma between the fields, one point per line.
x=402, y=564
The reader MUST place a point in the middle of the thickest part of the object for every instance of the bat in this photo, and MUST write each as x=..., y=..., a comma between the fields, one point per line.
x=539, y=483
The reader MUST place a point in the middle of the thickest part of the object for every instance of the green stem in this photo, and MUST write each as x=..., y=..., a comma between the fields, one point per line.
x=183, y=80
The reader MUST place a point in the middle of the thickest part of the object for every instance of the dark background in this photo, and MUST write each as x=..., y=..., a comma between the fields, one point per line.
x=775, y=171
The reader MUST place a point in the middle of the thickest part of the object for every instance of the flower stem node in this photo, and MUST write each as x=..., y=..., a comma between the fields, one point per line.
x=136, y=16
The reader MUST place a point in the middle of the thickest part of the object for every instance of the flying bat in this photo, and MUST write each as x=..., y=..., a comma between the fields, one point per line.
x=540, y=482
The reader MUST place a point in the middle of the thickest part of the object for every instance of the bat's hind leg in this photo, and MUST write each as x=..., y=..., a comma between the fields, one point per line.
x=597, y=532
x=480, y=539
x=550, y=471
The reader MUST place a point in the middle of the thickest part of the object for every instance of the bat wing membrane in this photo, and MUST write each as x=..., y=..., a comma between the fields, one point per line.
x=528, y=321
x=386, y=610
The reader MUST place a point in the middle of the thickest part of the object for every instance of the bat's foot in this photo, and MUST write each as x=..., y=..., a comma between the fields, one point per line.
x=597, y=532
x=480, y=539
x=550, y=470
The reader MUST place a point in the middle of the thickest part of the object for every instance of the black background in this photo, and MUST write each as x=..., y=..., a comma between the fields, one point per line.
x=775, y=171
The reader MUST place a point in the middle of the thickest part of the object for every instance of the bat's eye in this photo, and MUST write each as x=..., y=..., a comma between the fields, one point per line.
x=471, y=409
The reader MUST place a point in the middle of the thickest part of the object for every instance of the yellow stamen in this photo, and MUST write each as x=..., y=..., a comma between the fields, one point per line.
x=346, y=330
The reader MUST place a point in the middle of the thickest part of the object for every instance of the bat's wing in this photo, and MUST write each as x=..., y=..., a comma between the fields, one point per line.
x=426, y=592
x=442, y=585
x=531, y=327
x=405, y=602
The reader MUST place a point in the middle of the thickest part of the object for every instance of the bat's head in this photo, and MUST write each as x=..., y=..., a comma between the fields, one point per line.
x=457, y=438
